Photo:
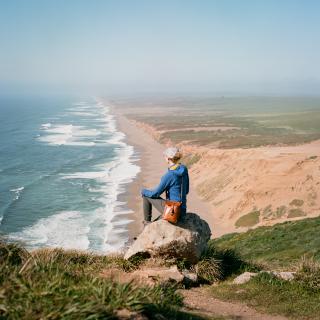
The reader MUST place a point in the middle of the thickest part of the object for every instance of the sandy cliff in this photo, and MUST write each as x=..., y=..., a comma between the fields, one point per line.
x=268, y=185
x=264, y=185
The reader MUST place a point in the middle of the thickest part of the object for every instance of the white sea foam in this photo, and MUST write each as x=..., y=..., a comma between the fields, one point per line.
x=46, y=125
x=82, y=113
x=66, y=229
x=85, y=175
x=17, y=189
x=80, y=103
x=113, y=177
x=120, y=174
x=17, y=192
x=68, y=134
x=102, y=229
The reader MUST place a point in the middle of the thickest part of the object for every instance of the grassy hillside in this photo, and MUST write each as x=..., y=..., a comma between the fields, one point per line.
x=290, y=246
x=70, y=284
x=278, y=246
x=58, y=284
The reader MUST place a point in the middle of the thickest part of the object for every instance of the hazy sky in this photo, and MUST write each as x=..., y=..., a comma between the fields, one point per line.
x=218, y=46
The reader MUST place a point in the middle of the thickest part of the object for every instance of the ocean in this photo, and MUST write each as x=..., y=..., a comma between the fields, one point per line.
x=63, y=165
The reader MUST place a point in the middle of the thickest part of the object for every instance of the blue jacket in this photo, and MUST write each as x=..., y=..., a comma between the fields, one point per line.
x=171, y=184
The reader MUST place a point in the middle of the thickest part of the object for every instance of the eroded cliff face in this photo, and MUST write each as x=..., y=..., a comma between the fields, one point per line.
x=247, y=188
x=260, y=186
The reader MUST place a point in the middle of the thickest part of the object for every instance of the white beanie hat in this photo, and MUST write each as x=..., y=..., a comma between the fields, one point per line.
x=172, y=153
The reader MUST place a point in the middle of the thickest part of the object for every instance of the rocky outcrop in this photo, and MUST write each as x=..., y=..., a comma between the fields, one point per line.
x=152, y=275
x=247, y=276
x=185, y=240
x=155, y=275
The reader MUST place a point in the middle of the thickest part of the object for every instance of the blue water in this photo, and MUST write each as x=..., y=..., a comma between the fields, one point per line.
x=63, y=164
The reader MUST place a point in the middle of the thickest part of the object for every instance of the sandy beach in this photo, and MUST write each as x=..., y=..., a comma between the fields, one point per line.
x=152, y=166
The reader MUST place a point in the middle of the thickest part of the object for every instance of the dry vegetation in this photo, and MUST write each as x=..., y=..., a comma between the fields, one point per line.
x=226, y=123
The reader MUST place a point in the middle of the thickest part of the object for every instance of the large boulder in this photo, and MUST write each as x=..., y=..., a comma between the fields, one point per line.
x=184, y=240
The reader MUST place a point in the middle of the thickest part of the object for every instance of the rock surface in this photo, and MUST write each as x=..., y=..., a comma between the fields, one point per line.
x=284, y=275
x=125, y=314
x=158, y=275
x=244, y=277
x=185, y=240
x=151, y=276
x=190, y=278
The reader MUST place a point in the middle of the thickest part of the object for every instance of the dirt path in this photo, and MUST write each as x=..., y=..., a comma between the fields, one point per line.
x=200, y=302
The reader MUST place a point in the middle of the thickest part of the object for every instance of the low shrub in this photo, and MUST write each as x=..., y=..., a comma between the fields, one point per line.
x=308, y=273
x=209, y=270
x=219, y=264
x=248, y=220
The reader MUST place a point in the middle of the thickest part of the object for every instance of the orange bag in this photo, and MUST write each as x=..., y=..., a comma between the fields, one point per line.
x=172, y=209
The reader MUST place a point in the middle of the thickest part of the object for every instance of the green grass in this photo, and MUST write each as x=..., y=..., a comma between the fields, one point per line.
x=248, y=220
x=69, y=284
x=58, y=284
x=268, y=294
x=278, y=246
x=219, y=264
x=295, y=213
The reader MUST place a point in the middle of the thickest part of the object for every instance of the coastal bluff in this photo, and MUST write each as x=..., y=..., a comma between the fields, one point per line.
x=185, y=240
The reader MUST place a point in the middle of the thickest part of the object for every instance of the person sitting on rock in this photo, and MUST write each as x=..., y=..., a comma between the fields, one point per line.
x=171, y=182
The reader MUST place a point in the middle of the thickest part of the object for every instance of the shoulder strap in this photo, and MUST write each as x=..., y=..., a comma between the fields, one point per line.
x=181, y=188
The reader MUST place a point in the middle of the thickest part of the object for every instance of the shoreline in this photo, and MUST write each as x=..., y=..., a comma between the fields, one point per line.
x=131, y=197
x=252, y=177
x=152, y=167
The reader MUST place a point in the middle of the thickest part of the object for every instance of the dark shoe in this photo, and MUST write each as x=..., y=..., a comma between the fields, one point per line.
x=158, y=218
x=145, y=223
